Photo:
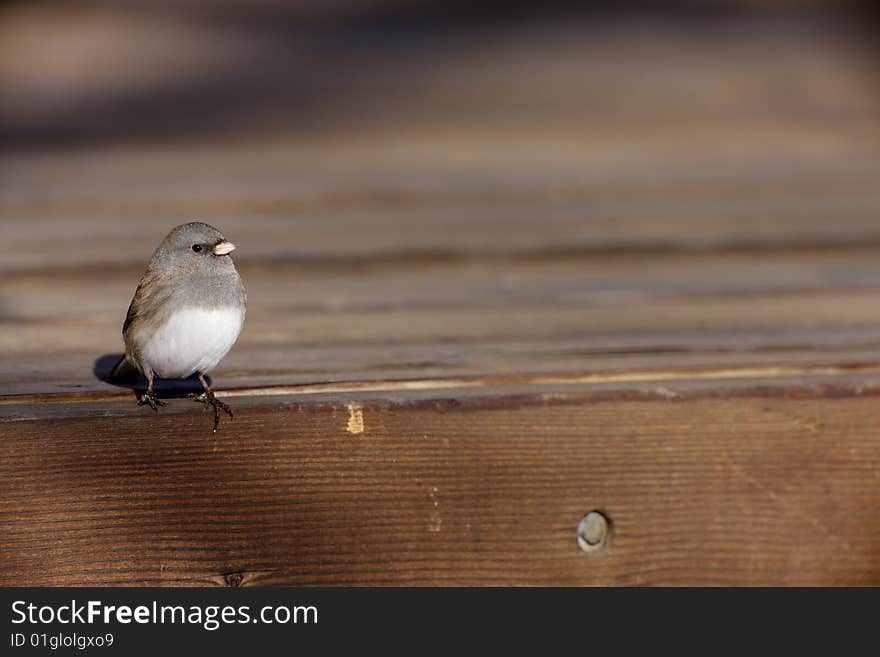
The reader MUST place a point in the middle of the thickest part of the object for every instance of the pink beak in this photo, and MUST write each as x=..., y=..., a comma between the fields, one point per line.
x=224, y=248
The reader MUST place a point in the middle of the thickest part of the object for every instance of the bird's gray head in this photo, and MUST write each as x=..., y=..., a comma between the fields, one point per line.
x=194, y=247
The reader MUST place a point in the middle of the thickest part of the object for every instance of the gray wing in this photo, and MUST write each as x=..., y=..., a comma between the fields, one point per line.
x=131, y=314
x=153, y=291
x=147, y=311
x=125, y=370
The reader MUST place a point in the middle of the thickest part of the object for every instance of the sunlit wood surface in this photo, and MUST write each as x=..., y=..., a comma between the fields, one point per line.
x=496, y=281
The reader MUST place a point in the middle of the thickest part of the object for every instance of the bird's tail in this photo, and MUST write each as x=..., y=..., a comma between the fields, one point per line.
x=123, y=371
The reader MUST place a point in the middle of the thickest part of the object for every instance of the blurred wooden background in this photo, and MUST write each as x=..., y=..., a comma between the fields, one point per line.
x=501, y=273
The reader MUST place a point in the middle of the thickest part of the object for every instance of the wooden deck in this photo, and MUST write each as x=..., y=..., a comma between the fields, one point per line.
x=494, y=284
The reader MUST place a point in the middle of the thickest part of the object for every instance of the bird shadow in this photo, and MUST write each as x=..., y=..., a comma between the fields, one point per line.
x=137, y=383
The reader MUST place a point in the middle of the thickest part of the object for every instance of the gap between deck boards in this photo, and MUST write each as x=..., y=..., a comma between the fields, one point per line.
x=766, y=372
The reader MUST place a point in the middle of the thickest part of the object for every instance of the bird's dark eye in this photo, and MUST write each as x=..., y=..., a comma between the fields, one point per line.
x=197, y=247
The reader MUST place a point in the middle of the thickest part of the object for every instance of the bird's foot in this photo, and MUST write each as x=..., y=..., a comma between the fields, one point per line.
x=208, y=399
x=151, y=399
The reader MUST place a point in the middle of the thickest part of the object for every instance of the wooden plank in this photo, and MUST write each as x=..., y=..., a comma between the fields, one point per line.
x=764, y=487
x=502, y=317
x=398, y=221
x=629, y=268
x=774, y=144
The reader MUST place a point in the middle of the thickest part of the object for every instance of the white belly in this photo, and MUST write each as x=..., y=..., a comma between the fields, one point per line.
x=192, y=340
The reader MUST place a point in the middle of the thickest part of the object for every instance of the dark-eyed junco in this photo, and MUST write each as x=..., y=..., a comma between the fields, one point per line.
x=186, y=313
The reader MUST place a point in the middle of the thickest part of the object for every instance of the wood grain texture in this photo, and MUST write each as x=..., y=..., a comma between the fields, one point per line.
x=754, y=489
x=495, y=280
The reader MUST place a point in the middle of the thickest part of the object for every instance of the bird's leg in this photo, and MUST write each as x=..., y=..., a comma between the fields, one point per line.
x=150, y=398
x=208, y=399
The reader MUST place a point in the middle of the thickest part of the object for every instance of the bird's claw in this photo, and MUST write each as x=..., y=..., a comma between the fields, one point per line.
x=152, y=400
x=208, y=399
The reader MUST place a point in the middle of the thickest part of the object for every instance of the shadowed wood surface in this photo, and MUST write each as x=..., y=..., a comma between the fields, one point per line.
x=521, y=279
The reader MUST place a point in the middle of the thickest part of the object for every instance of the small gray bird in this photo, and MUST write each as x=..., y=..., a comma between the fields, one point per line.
x=186, y=313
